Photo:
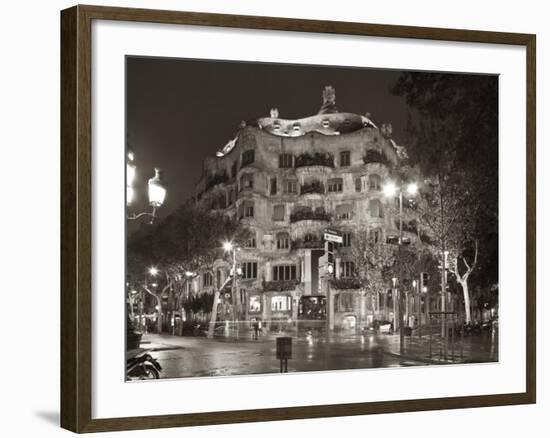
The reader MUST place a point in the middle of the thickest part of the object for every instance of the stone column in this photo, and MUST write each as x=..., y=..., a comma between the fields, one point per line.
x=307, y=272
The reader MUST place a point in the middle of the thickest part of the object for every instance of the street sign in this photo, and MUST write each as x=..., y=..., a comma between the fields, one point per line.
x=333, y=238
x=332, y=235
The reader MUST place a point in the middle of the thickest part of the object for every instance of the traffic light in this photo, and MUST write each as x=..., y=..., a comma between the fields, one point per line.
x=424, y=277
x=326, y=261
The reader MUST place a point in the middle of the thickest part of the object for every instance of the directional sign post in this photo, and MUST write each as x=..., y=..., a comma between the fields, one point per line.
x=331, y=235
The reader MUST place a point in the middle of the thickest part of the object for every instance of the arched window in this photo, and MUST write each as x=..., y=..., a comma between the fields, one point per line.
x=375, y=208
x=247, y=181
x=283, y=240
x=375, y=235
x=374, y=182
x=309, y=237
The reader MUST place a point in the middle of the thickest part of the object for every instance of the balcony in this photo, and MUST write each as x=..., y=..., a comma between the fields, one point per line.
x=279, y=285
x=312, y=187
x=374, y=156
x=307, y=244
x=316, y=159
x=345, y=283
x=310, y=215
x=219, y=178
x=408, y=226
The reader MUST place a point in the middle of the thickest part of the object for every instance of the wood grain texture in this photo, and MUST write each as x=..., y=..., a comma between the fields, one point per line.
x=76, y=225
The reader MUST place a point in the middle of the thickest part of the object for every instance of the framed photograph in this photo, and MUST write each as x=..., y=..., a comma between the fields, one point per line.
x=268, y=219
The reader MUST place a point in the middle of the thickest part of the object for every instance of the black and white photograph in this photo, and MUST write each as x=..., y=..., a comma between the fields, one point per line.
x=285, y=218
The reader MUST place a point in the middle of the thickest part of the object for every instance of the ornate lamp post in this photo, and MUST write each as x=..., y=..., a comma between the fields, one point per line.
x=156, y=190
x=390, y=191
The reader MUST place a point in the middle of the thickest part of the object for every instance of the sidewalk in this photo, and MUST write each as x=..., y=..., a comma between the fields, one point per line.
x=472, y=349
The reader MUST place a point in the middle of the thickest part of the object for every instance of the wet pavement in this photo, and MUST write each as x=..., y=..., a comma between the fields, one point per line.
x=188, y=356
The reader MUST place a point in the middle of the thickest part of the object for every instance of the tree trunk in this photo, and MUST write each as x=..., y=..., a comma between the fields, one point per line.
x=466, y=294
x=159, y=315
x=213, y=314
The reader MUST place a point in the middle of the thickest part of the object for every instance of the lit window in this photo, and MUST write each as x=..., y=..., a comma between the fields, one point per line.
x=281, y=303
x=255, y=304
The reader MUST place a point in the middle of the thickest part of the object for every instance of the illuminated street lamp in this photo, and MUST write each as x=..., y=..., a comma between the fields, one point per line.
x=153, y=271
x=391, y=190
x=235, y=272
x=130, y=178
x=156, y=190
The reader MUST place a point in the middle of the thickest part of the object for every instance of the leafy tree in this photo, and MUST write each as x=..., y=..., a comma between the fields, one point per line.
x=453, y=129
x=186, y=242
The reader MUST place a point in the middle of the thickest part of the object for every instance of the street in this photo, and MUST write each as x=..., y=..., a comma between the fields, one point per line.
x=199, y=356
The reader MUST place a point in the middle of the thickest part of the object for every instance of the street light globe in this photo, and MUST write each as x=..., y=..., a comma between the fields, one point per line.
x=153, y=271
x=227, y=246
x=157, y=192
x=412, y=189
x=389, y=189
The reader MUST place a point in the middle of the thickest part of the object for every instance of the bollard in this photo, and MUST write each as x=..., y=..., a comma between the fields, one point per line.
x=284, y=352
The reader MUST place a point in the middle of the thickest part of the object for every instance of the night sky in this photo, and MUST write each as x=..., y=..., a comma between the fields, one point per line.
x=179, y=110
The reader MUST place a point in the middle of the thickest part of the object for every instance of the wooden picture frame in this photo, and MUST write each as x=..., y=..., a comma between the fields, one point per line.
x=76, y=218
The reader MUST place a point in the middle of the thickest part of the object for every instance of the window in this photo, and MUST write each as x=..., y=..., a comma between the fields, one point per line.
x=251, y=242
x=345, y=302
x=335, y=185
x=347, y=269
x=247, y=157
x=309, y=237
x=281, y=303
x=283, y=241
x=375, y=236
x=286, y=161
x=255, y=304
x=375, y=208
x=346, y=239
x=279, y=213
x=247, y=181
x=358, y=184
x=273, y=186
x=345, y=158
x=284, y=272
x=207, y=279
x=250, y=270
x=246, y=209
x=234, y=170
x=290, y=186
x=343, y=211
x=374, y=182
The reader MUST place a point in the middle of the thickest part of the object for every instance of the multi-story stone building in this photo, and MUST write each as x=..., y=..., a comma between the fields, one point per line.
x=288, y=180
